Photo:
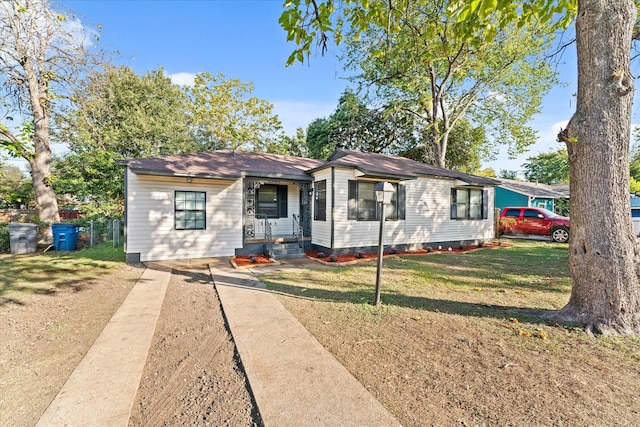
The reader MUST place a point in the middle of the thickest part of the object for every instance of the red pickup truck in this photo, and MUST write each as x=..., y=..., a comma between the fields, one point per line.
x=534, y=221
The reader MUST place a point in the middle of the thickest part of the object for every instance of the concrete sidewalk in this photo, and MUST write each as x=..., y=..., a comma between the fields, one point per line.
x=102, y=389
x=294, y=379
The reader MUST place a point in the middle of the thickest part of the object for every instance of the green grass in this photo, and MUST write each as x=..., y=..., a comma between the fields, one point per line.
x=485, y=283
x=46, y=273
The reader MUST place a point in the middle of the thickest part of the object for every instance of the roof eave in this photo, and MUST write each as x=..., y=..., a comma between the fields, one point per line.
x=140, y=171
x=269, y=175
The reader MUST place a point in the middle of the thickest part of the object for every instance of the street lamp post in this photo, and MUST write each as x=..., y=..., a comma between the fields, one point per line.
x=384, y=192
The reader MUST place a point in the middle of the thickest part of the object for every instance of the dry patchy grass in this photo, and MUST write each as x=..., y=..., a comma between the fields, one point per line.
x=453, y=343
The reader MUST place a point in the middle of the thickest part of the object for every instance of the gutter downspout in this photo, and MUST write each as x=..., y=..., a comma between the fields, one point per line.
x=333, y=203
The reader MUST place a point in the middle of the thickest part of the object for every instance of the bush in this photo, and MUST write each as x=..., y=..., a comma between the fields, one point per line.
x=321, y=255
x=359, y=255
x=333, y=258
x=4, y=238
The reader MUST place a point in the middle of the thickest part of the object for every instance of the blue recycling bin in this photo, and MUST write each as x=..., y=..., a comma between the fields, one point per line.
x=65, y=236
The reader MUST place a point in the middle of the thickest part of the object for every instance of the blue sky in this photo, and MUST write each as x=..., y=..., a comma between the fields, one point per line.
x=242, y=39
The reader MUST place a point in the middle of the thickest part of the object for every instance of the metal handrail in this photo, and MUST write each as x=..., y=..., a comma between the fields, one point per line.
x=267, y=229
x=298, y=231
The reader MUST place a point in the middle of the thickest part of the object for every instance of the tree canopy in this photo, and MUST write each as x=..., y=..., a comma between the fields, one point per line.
x=15, y=189
x=354, y=125
x=421, y=63
x=548, y=168
x=42, y=56
x=118, y=114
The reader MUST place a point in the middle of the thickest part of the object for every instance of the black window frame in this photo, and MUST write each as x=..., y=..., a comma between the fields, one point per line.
x=357, y=212
x=320, y=200
x=281, y=201
x=183, y=215
x=455, y=204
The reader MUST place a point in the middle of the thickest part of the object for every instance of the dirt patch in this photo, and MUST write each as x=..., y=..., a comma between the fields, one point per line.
x=193, y=374
x=430, y=368
x=44, y=337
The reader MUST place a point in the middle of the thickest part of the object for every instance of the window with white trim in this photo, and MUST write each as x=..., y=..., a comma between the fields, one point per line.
x=190, y=210
x=320, y=207
x=363, y=206
x=469, y=203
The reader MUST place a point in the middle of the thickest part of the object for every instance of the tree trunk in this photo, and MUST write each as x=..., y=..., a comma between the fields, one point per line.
x=41, y=161
x=40, y=177
x=604, y=254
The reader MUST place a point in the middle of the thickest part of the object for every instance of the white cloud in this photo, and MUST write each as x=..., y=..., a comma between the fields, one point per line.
x=78, y=35
x=298, y=114
x=185, y=79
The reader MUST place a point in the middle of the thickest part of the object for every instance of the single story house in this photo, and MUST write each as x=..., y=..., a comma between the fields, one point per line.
x=529, y=194
x=225, y=203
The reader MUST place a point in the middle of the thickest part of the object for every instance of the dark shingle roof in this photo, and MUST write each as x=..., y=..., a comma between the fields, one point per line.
x=383, y=165
x=533, y=189
x=226, y=164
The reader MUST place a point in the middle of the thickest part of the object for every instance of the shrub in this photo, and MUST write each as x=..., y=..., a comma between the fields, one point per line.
x=429, y=249
x=321, y=255
x=480, y=244
x=359, y=255
x=4, y=238
x=393, y=251
x=253, y=258
x=333, y=258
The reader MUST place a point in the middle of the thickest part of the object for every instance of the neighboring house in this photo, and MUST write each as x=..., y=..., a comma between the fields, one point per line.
x=635, y=213
x=225, y=203
x=527, y=194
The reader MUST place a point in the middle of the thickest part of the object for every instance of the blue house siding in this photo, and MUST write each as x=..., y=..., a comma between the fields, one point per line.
x=539, y=202
x=506, y=198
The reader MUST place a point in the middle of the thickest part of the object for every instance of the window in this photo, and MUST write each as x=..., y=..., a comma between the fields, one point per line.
x=528, y=213
x=190, y=210
x=469, y=203
x=272, y=201
x=515, y=213
x=363, y=206
x=320, y=207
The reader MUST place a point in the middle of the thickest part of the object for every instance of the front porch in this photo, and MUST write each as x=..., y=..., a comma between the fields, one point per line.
x=276, y=217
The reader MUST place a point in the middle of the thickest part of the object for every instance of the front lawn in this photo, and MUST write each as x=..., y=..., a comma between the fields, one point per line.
x=47, y=273
x=453, y=343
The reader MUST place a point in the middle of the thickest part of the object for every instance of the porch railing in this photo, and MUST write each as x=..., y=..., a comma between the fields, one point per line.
x=267, y=228
x=298, y=231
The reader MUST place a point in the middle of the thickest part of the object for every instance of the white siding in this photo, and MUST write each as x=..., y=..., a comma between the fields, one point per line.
x=150, y=218
x=427, y=220
x=321, y=230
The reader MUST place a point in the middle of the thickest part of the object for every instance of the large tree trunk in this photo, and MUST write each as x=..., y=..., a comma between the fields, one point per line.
x=604, y=255
x=40, y=177
x=40, y=162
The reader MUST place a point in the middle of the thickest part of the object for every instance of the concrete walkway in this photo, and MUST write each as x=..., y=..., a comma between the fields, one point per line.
x=294, y=379
x=102, y=389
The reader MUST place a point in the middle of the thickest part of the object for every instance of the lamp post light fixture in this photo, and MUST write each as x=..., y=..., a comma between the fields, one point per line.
x=384, y=193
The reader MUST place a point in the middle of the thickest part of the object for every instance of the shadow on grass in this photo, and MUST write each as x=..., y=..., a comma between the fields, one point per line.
x=536, y=316
x=48, y=273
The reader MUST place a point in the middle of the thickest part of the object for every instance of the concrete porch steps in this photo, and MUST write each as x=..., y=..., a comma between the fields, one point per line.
x=286, y=250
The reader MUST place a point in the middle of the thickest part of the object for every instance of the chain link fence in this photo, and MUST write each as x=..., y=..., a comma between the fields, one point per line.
x=95, y=231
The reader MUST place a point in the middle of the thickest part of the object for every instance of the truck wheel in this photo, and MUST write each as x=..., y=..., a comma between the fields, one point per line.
x=560, y=234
